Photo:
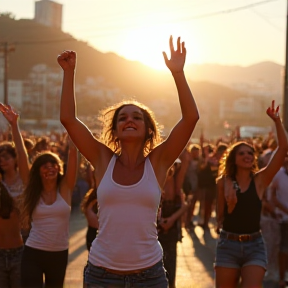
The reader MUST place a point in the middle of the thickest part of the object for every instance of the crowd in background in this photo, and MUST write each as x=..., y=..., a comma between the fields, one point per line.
x=200, y=161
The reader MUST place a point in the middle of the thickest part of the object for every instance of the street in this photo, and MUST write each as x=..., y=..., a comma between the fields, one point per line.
x=195, y=257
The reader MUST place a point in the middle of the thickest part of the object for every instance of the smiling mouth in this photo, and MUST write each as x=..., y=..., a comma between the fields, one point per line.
x=129, y=129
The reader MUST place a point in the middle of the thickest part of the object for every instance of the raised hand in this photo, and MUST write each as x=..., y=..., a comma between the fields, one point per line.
x=67, y=60
x=177, y=60
x=10, y=114
x=272, y=112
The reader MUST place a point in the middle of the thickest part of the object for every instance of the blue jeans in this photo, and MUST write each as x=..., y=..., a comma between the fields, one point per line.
x=236, y=254
x=153, y=277
x=10, y=267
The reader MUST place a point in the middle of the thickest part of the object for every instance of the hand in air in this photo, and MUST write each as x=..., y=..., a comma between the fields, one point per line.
x=67, y=60
x=10, y=115
x=177, y=60
x=272, y=112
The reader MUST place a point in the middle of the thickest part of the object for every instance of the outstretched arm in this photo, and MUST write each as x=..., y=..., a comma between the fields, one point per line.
x=68, y=182
x=266, y=175
x=170, y=149
x=89, y=147
x=22, y=157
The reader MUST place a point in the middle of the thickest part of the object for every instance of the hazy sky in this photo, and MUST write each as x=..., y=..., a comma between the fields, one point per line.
x=234, y=32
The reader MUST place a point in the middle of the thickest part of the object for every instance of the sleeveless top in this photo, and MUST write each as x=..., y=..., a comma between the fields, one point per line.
x=50, y=226
x=245, y=217
x=127, y=235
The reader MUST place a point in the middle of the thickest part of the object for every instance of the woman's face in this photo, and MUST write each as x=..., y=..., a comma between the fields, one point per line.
x=130, y=123
x=7, y=161
x=49, y=171
x=244, y=157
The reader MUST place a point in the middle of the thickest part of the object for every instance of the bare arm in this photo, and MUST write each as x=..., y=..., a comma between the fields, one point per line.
x=87, y=144
x=169, y=150
x=266, y=175
x=68, y=182
x=220, y=204
x=22, y=156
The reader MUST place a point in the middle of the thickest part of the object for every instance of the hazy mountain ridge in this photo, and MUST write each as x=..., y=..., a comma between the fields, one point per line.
x=37, y=44
x=265, y=72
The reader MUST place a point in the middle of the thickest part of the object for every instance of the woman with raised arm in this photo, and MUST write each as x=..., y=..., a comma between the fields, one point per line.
x=47, y=205
x=14, y=164
x=240, y=251
x=129, y=167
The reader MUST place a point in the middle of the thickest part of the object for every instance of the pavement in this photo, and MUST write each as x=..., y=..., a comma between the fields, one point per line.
x=195, y=257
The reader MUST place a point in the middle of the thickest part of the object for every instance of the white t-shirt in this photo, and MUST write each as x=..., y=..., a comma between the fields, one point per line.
x=280, y=181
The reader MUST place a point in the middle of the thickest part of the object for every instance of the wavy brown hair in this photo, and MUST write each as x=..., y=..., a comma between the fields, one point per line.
x=109, y=116
x=9, y=148
x=6, y=202
x=227, y=162
x=88, y=198
x=32, y=192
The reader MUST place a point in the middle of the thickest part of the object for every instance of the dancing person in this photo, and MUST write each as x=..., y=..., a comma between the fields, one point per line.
x=129, y=167
x=190, y=184
x=90, y=210
x=279, y=195
x=47, y=205
x=241, y=250
x=11, y=243
x=172, y=208
x=14, y=164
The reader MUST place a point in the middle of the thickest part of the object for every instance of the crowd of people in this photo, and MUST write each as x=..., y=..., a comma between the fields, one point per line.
x=137, y=192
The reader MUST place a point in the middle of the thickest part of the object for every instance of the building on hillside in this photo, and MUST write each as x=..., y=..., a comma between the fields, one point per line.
x=48, y=13
x=41, y=93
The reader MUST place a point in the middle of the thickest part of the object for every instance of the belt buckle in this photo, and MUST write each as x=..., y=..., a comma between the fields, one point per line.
x=244, y=237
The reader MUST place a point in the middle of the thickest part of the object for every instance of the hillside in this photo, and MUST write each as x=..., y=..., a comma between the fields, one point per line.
x=268, y=73
x=36, y=44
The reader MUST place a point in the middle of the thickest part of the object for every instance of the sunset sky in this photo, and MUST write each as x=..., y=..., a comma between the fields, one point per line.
x=228, y=32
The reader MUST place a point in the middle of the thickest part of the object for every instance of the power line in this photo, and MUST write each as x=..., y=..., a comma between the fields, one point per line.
x=113, y=31
x=227, y=11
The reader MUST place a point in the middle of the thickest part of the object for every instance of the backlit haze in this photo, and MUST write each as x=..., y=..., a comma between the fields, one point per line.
x=238, y=32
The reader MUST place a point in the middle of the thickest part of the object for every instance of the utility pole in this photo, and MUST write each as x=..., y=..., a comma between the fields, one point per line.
x=6, y=48
x=285, y=100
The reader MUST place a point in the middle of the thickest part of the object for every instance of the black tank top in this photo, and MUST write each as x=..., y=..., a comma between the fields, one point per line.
x=245, y=217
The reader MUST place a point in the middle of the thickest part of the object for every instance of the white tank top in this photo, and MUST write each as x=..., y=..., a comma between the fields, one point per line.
x=127, y=236
x=50, y=226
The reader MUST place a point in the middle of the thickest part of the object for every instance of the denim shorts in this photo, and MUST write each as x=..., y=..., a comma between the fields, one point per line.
x=284, y=237
x=10, y=267
x=153, y=277
x=236, y=254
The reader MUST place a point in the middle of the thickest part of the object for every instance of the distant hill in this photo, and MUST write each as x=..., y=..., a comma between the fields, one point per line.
x=268, y=73
x=37, y=44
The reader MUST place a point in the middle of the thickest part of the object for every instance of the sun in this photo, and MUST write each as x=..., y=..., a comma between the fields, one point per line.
x=146, y=44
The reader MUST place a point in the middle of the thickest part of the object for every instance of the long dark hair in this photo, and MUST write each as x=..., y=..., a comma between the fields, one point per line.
x=9, y=148
x=6, y=202
x=88, y=198
x=32, y=192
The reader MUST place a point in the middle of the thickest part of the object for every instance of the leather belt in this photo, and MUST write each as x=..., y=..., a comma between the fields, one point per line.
x=119, y=272
x=240, y=237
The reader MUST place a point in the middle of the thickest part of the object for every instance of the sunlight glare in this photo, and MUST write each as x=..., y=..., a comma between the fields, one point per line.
x=146, y=44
